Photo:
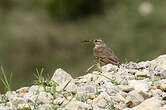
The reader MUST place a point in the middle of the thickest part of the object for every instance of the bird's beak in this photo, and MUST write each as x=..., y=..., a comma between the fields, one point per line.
x=87, y=41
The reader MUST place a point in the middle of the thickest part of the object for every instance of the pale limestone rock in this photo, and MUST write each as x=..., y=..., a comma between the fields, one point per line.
x=10, y=95
x=142, y=65
x=34, y=89
x=102, y=100
x=59, y=101
x=44, y=98
x=163, y=87
x=149, y=104
x=125, y=88
x=139, y=85
x=23, y=106
x=6, y=108
x=22, y=90
x=132, y=71
x=119, y=98
x=77, y=105
x=60, y=76
x=145, y=94
x=17, y=100
x=133, y=98
x=144, y=73
x=160, y=61
x=45, y=107
x=109, y=68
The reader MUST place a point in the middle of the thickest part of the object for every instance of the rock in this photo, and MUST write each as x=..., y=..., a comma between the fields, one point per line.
x=142, y=65
x=62, y=78
x=17, y=100
x=118, y=98
x=145, y=94
x=22, y=90
x=102, y=100
x=45, y=107
x=125, y=88
x=133, y=98
x=132, y=71
x=116, y=88
x=10, y=95
x=149, y=104
x=24, y=106
x=163, y=87
x=36, y=88
x=139, y=85
x=143, y=73
x=109, y=68
x=59, y=101
x=160, y=61
x=77, y=105
x=44, y=98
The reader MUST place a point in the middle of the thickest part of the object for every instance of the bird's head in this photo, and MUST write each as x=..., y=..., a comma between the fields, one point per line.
x=97, y=42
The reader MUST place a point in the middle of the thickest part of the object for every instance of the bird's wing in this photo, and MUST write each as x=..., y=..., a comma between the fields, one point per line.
x=109, y=54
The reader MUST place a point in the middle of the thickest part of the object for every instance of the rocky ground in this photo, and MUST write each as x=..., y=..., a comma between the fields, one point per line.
x=132, y=86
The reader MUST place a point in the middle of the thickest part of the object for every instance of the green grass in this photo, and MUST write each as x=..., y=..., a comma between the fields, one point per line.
x=111, y=80
x=139, y=78
x=6, y=82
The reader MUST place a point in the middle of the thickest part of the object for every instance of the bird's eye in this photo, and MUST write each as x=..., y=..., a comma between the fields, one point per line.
x=95, y=40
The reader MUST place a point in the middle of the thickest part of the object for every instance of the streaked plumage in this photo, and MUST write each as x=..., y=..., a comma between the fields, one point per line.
x=104, y=54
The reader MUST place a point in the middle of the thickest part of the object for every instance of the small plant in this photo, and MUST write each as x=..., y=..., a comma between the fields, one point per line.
x=25, y=108
x=4, y=99
x=109, y=106
x=97, y=91
x=66, y=85
x=67, y=102
x=5, y=81
x=39, y=77
x=112, y=81
x=96, y=65
x=82, y=99
x=36, y=100
x=139, y=78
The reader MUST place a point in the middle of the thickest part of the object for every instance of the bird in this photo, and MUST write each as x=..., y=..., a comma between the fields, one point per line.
x=103, y=53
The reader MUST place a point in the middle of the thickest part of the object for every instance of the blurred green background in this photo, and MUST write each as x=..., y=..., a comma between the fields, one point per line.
x=49, y=34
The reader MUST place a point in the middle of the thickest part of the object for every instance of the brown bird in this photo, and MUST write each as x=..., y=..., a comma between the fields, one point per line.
x=102, y=53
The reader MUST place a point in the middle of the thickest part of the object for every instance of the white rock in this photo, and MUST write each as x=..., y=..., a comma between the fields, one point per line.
x=142, y=65
x=119, y=98
x=143, y=73
x=160, y=61
x=139, y=85
x=109, y=68
x=60, y=76
x=23, y=106
x=18, y=100
x=44, y=98
x=10, y=95
x=149, y=104
x=133, y=99
x=45, y=107
x=77, y=105
x=6, y=108
x=34, y=89
x=22, y=90
x=102, y=100
x=163, y=87
x=59, y=100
